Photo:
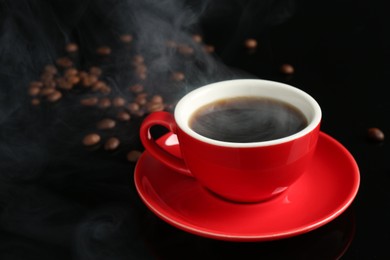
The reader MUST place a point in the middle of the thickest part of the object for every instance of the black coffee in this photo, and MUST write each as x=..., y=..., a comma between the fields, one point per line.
x=247, y=119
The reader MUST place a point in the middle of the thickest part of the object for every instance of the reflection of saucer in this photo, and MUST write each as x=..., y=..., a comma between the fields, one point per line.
x=322, y=194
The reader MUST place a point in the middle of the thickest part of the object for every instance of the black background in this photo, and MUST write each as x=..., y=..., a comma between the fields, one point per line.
x=59, y=200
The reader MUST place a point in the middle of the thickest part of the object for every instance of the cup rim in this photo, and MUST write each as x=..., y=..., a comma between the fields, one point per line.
x=312, y=125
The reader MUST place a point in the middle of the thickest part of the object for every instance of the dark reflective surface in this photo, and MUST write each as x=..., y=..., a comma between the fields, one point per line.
x=61, y=200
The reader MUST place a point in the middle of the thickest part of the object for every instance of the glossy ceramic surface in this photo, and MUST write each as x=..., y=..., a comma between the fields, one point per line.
x=319, y=196
x=242, y=172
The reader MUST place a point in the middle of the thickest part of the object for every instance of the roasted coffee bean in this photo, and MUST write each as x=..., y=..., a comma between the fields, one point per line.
x=185, y=49
x=95, y=71
x=47, y=76
x=64, y=84
x=91, y=139
x=375, y=134
x=178, y=76
x=34, y=91
x=133, y=155
x=91, y=101
x=133, y=107
x=119, y=102
x=51, y=69
x=287, y=69
x=209, y=48
x=112, y=143
x=64, y=62
x=103, y=50
x=35, y=102
x=123, y=116
x=140, y=99
x=197, y=38
x=89, y=80
x=155, y=104
x=106, y=123
x=55, y=96
x=136, y=88
x=74, y=80
x=71, y=47
x=157, y=99
x=70, y=72
x=104, y=103
x=250, y=43
x=49, y=83
x=153, y=107
x=47, y=91
x=126, y=38
x=140, y=69
x=105, y=90
x=138, y=59
x=98, y=85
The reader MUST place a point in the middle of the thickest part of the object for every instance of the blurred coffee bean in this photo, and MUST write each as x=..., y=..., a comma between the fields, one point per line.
x=133, y=107
x=98, y=85
x=119, y=102
x=104, y=103
x=74, y=80
x=250, y=43
x=133, y=155
x=34, y=91
x=126, y=38
x=287, y=69
x=91, y=101
x=89, y=80
x=197, y=38
x=91, y=139
x=71, y=47
x=209, y=48
x=64, y=62
x=154, y=106
x=123, y=116
x=136, y=88
x=140, y=99
x=138, y=59
x=185, y=49
x=140, y=69
x=47, y=91
x=375, y=134
x=156, y=99
x=178, y=76
x=103, y=50
x=55, y=96
x=64, y=84
x=35, y=102
x=105, y=90
x=70, y=72
x=95, y=71
x=106, y=123
x=112, y=143
x=51, y=69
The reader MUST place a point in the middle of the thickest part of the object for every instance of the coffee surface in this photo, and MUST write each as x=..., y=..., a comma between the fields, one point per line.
x=247, y=119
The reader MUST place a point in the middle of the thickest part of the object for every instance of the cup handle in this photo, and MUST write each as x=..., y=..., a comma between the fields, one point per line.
x=166, y=120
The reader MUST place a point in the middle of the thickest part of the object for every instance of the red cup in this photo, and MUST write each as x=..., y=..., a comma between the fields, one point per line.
x=239, y=172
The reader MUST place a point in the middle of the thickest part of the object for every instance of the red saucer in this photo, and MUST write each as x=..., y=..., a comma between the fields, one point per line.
x=322, y=194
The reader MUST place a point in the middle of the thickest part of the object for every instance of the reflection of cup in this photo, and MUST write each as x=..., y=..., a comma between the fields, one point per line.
x=281, y=141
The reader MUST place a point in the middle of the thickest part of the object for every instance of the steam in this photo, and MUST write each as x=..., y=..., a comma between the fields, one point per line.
x=56, y=193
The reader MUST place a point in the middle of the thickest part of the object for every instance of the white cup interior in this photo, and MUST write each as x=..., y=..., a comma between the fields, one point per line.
x=243, y=88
